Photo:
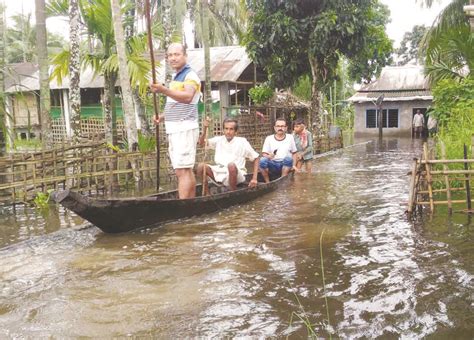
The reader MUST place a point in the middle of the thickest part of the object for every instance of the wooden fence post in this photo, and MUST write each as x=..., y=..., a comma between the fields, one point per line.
x=446, y=179
x=429, y=179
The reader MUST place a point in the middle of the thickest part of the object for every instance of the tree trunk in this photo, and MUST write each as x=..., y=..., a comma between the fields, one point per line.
x=127, y=99
x=316, y=99
x=42, y=51
x=207, y=57
x=74, y=71
x=3, y=123
x=110, y=115
x=168, y=28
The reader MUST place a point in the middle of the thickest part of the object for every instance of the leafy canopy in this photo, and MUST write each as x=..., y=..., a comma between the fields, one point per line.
x=409, y=46
x=296, y=37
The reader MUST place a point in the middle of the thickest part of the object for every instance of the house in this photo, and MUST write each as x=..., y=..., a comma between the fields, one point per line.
x=22, y=98
x=232, y=75
x=405, y=89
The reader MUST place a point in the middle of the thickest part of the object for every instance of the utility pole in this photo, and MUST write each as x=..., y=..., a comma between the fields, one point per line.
x=379, y=110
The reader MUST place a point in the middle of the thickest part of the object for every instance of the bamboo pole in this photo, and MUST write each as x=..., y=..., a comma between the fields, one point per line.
x=468, y=185
x=446, y=179
x=156, y=103
x=442, y=190
x=411, y=196
x=428, y=177
x=447, y=161
x=442, y=202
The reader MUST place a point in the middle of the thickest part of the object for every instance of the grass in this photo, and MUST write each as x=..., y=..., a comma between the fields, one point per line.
x=304, y=316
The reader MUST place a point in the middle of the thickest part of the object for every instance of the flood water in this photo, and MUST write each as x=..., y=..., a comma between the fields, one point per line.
x=254, y=270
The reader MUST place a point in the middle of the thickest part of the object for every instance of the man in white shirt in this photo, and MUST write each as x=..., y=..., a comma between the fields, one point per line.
x=418, y=122
x=432, y=125
x=279, y=152
x=230, y=155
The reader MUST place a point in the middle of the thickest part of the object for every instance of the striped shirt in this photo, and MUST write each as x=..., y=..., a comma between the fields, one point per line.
x=182, y=116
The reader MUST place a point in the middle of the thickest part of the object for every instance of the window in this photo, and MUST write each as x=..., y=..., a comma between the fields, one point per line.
x=389, y=118
x=371, y=119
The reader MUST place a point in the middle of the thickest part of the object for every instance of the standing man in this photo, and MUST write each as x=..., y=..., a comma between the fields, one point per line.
x=279, y=152
x=181, y=118
x=432, y=125
x=230, y=155
x=418, y=123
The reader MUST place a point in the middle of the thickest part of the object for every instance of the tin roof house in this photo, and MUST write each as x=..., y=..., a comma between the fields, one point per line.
x=405, y=90
x=232, y=75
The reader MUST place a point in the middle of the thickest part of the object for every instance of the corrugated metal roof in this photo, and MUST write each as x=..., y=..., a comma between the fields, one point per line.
x=391, y=96
x=396, y=78
x=227, y=64
x=397, y=83
x=25, y=78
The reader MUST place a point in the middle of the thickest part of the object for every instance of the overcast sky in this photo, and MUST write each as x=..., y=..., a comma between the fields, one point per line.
x=404, y=15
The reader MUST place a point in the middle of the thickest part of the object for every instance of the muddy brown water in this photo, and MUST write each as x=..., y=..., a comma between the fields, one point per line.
x=252, y=270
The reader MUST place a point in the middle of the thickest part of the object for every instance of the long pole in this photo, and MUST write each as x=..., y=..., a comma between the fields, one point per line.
x=468, y=186
x=156, y=105
x=380, y=119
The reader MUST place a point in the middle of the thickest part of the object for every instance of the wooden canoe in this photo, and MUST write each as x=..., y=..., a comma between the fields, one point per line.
x=117, y=215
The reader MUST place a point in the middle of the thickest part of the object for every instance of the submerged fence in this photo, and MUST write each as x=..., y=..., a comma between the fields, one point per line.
x=440, y=182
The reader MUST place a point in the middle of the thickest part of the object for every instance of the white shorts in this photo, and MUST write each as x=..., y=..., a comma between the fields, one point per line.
x=182, y=148
x=221, y=174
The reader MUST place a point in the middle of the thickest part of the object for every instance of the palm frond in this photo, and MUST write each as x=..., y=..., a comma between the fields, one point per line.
x=57, y=8
x=60, y=63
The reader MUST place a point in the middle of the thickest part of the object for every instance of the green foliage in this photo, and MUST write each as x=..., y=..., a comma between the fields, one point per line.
x=302, y=89
x=453, y=106
x=101, y=56
x=409, y=46
x=115, y=147
x=146, y=143
x=41, y=199
x=452, y=98
x=261, y=94
x=27, y=144
x=21, y=40
x=292, y=38
x=449, y=45
x=346, y=119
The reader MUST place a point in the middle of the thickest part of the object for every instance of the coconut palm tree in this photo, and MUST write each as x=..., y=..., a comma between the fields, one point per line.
x=21, y=40
x=100, y=54
x=2, y=82
x=449, y=44
x=45, y=96
x=74, y=69
x=227, y=21
x=129, y=114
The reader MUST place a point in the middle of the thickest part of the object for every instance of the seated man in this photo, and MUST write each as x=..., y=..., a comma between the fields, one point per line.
x=304, y=145
x=279, y=152
x=230, y=154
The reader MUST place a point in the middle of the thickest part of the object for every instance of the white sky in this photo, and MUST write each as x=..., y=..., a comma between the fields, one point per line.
x=404, y=15
x=407, y=13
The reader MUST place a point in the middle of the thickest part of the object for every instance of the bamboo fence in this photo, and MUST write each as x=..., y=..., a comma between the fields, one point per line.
x=434, y=183
x=96, y=169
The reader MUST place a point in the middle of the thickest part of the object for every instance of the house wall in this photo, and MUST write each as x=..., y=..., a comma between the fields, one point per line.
x=25, y=109
x=405, y=117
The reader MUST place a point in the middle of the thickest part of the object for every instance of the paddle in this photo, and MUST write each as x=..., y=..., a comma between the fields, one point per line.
x=156, y=105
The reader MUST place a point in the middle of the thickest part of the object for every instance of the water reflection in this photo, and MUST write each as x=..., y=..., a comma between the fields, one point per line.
x=253, y=270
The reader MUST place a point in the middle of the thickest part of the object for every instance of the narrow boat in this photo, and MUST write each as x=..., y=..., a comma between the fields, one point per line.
x=117, y=215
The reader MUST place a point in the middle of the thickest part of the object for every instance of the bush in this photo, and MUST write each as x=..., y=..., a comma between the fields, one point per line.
x=261, y=94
